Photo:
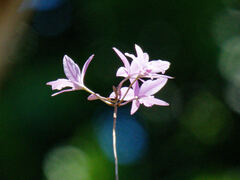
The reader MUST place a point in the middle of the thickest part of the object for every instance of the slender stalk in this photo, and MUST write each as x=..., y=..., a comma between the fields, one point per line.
x=128, y=89
x=115, y=140
x=125, y=103
x=121, y=83
x=107, y=101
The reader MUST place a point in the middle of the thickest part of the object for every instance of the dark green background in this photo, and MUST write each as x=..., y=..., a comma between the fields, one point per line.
x=197, y=137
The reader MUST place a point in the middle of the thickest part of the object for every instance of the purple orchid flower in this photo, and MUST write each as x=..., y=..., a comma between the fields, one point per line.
x=144, y=94
x=75, y=78
x=129, y=70
x=141, y=65
x=154, y=66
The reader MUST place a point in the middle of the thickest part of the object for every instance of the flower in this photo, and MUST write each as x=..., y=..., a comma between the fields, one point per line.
x=75, y=78
x=144, y=94
x=146, y=66
x=140, y=65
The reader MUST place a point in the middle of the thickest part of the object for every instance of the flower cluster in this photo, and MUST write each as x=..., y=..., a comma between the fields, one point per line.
x=146, y=77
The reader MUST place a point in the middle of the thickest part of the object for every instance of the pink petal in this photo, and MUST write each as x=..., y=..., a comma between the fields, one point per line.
x=151, y=87
x=131, y=56
x=92, y=97
x=150, y=101
x=154, y=75
x=60, y=84
x=135, y=106
x=136, y=67
x=122, y=72
x=141, y=55
x=65, y=90
x=159, y=102
x=159, y=66
x=136, y=88
x=112, y=95
x=129, y=96
x=130, y=93
x=123, y=58
x=71, y=69
x=139, y=51
x=146, y=101
x=85, y=66
x=146, y=57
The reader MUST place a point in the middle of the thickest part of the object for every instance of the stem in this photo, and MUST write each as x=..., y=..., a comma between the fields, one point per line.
x=128, y=89
x=121, y=83
x=114, y=140
x=107, y=101
x=125, y=103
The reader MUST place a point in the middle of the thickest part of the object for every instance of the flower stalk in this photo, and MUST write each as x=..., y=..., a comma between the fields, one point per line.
x=115, y=141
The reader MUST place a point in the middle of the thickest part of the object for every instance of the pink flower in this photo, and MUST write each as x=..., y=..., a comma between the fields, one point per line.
x=146, y=66
x=144, y=94
x=75, y=78
x=141, y=65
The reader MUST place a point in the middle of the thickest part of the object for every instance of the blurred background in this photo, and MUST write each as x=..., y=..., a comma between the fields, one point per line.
x=69, y=138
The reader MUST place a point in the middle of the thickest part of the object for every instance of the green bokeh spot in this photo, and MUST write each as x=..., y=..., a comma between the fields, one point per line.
x=207, y=118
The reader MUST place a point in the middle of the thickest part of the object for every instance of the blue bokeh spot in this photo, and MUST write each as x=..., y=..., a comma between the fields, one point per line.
x=41, y=5
x=131, y=136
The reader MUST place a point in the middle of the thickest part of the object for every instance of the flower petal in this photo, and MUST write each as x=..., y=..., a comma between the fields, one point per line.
x=139, y=50
x=129, y=96
x=146, y=57
x=141, y=55
x=136, y=88
x=65, y=90
x=92, y=97
x=60, y=84
x=123, y=58
x=159, y=66
x=135, y=106
x=131, y=56
x=71, y=69
x=122, y=72
x=159, y=102
x=130, y=93
x=151, y=87
x=85, y=66
x=150, y=101
x=112, y=95
x=136, y=68
x=157, y=76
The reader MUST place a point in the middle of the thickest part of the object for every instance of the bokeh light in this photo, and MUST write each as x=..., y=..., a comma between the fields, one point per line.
x=229, y=60
x=40, y=5
x=131, y=136
x=226, y=25
x=53, y=22
x=207, y=118
x=232, y=96
x=66, y=162
x=231, y=3
x=219, y=175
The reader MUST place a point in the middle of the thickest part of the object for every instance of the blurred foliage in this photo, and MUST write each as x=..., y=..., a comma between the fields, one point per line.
x=47, y=138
